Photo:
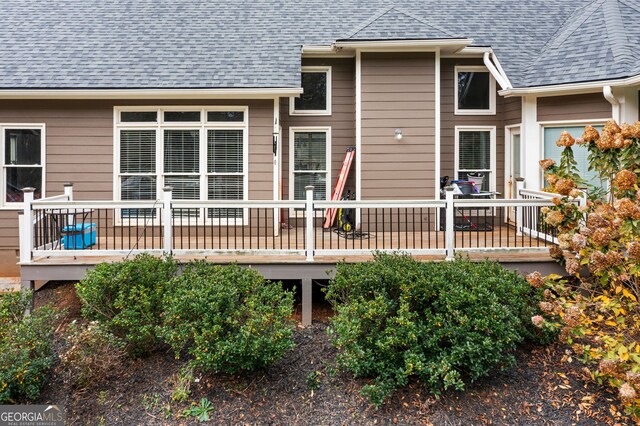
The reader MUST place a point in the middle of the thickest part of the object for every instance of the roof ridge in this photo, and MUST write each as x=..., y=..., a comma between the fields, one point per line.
x=618, y=40
x=632, y=6
x=364, y=24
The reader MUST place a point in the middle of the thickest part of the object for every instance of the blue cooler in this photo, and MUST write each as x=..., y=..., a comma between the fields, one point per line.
x=79, y=236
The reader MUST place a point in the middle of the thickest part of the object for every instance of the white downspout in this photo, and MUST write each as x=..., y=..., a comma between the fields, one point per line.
x=616, y=111
x=504, y=84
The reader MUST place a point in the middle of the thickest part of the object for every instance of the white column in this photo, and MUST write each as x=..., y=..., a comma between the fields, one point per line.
x=166, y=219
x=437, y=129
x=531, y=143
x=68, y=191
x=309, y=223
x=628, y=108
x=358, y=134
x=519, y=215
x=449, y=228
x=26, y=228
x=277, y=146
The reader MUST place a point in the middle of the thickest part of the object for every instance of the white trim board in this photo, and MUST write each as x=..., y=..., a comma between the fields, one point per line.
x=148, y=93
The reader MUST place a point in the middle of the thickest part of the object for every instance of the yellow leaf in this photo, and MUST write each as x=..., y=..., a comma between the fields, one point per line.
x=618, y=289
x=611, y=323
x=623, y=353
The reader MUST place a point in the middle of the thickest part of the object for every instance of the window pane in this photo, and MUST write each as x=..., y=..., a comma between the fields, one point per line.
x=473, y=90
x=225, y=116
x=314, y=96
x=580, y=152
x=22, y=146
x=137, y=151
x=318, y=180
x=225, y=188
x=474, y=150
x=181, y=151
x=138, y=188
x=224, y=151
x=182, y=116
x=19, y=178
x=184, y=188
x=139, y=116
x=310, y=151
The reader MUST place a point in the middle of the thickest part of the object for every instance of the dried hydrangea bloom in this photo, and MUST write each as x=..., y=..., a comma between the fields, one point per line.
x=606, y=141
x=585, y=231
x=583, y=209
x=547, y=294
x=606, y=210
x=627, y=393
x=556, y=201
x=565, y=186
x=565, y=140
x=546, y=163
x=607, y=366
x=572, y=316
x=590, y=134
x=611, y=127
x=625, y=180
x=575, y=193
x=627, y=209
x=572, y=266
x=630, y=131
x=627, y=143
x=596, y=221
x=547, y=307
x=578, y=242
x=535, y=279
x=597, y=261
x=556, y=252
x=601, y=237
x=618, y=141
x=633, y=249
x=551, y=179
x=613, y=259
x=537, y=321
x=545, y=210
x=633, y=378
x=554, y=218
x=564, y=240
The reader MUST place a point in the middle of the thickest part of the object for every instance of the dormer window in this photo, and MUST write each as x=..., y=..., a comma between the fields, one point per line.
x=475, y=92
x=316, y=98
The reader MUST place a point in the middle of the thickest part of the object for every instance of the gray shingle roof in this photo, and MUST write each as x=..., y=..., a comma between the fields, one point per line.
x=256, y=43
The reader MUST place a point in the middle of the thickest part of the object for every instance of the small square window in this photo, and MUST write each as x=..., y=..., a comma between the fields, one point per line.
x=225, y=116
x=139, y=116
x=316, y=96
x=475, y=91
x=182, y=116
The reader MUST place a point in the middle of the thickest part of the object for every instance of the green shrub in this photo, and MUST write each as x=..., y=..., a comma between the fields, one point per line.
x=125, y=297
x=443, y=323
x=26, y=353
x=92, y=354
x=227, y=318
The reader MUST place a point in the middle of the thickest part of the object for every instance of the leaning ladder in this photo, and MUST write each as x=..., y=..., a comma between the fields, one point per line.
x=330, y=216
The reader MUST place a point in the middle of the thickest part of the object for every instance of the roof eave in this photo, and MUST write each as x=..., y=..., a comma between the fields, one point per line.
x=570, y=88
x=450, y=45
x=209, y=93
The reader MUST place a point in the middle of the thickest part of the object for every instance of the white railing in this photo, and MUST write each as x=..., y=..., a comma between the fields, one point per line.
x=60, y=226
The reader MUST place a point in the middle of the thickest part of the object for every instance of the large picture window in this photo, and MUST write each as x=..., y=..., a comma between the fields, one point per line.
x=475, y=91
x=309, y=156
x=580, y=152
x=201, y=153
x=22, y=162
x=316, y=96
x=475, y=155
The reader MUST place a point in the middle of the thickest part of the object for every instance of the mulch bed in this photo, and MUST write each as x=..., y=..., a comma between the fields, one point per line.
x=542, y=389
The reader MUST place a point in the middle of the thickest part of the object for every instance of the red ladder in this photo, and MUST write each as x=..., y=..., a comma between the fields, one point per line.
x=340, y=182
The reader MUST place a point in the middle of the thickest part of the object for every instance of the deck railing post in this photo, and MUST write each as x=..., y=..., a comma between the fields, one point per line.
x=309, y=222
x=166, y=219
x=450, y=225
x=519, y=210
x=26, y=228
x=68, y=191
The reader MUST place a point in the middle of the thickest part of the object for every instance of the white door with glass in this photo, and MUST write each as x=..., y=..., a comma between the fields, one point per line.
x=514, y=161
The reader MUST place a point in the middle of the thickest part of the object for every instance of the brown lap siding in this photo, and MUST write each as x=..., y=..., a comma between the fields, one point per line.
x=591, y=106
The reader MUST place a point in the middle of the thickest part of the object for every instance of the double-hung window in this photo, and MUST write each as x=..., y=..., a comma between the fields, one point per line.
x=475, y=91
x=475, y=155
x=22, y=155
x=200, y=152
x=309, y=157
x=316, y=96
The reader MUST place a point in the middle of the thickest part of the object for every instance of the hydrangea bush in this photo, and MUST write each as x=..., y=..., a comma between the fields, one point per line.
x=596, y=309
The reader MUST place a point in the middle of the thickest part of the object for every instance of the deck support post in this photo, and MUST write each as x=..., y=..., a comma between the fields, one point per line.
x=449, y=239
x=519, y=209
x=166, y=219
x=26, y=227
x=309, y=223
x=68, y=192
x=307, y=301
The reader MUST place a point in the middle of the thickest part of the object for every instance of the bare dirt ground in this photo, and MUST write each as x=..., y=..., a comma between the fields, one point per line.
x=305, y=388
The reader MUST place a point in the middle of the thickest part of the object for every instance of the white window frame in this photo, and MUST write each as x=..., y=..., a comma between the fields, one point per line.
x=43, y=156
x=492, y=91
x=327, y=111
x=493, y=170
x=203, y=126
x=302, y=129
